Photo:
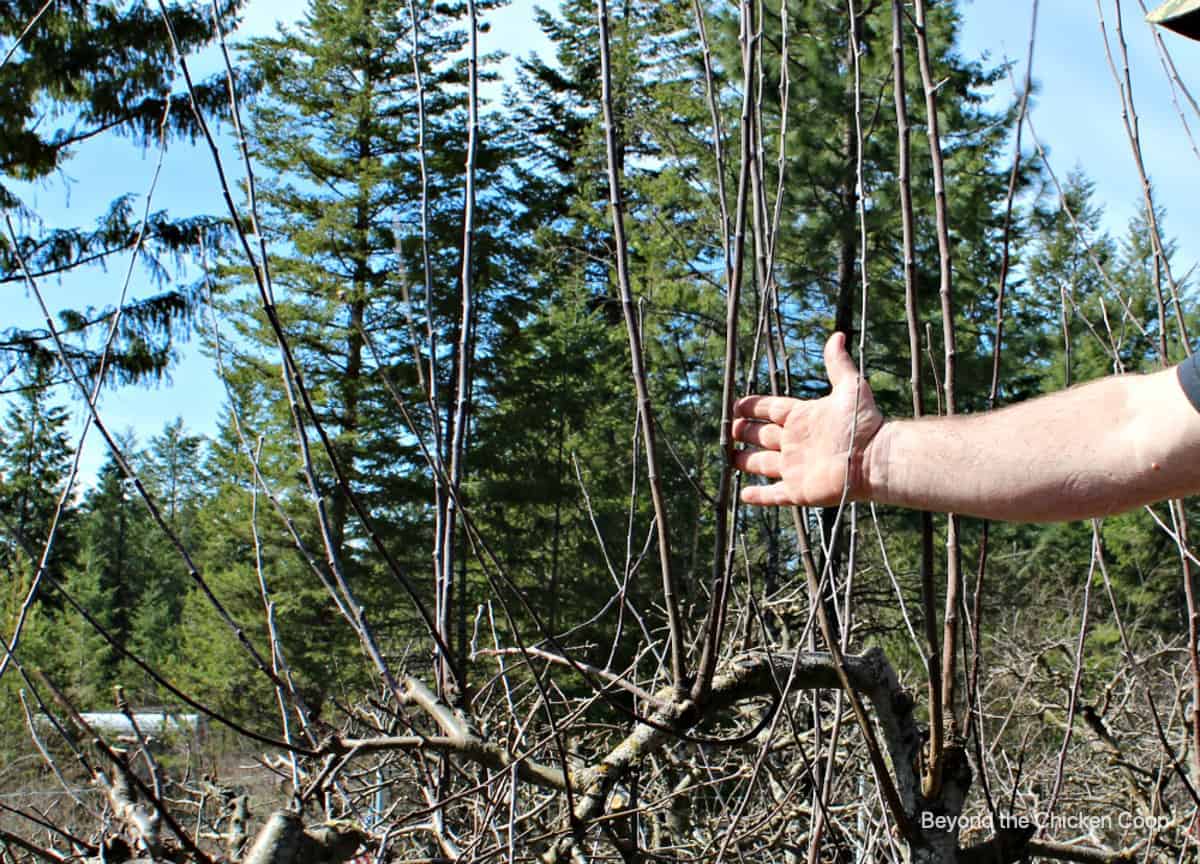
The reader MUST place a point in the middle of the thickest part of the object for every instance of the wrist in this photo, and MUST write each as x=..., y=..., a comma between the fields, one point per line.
x=874, y=479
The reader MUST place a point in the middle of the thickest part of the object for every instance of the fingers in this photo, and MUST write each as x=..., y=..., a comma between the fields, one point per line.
x=774, y=495
x=765, y=435
x=839, y=368
x=773, y=408
x=838, y=364
x=768, y=463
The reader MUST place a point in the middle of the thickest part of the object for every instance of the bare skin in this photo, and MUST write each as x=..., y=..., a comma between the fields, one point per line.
x=1093, y=450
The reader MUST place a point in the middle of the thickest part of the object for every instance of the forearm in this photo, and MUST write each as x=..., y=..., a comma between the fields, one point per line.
x=1089, y=451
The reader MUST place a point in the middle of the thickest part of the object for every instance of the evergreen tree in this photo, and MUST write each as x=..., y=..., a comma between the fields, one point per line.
x=34, y=465
x=674, y=224
x=126, y=574
x=87, y=662
x=79, y=70
x=114, y=533
x=33, y=468
x=574, y=335
x=336, y=130
x=172, y=469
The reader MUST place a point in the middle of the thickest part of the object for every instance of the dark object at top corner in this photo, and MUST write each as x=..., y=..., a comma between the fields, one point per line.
x=1180, y=16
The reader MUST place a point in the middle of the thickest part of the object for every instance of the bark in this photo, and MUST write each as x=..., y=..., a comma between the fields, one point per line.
x=285, y=840
x=846, y=284
x=141, y=820
x=755, y=675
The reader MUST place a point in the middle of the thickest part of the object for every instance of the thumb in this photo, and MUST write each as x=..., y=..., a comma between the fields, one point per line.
x=838, y=365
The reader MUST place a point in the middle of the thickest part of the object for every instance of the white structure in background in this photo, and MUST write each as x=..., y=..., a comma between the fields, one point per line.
x=152, y=724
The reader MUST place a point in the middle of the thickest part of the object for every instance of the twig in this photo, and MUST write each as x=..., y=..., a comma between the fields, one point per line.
x=645, y=409
x=278, y=663
x=127, y=469
x=1177, y=87
x=1076, y=678
x=122, y=787
x=64, y=496
x=718, y=145
x=1162, y=266
x=35, y=851
x=714, y=626
x=464, y=365
x=947, y=676
x=12, y=49
x=31, y=726
x=1129, y=118
x=975, y=619
x=301, y=404
x=1173, y=759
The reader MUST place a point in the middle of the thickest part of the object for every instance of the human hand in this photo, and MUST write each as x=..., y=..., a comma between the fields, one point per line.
x=805, y=445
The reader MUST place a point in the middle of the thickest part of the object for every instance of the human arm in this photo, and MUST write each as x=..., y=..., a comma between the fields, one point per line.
x=1092, y=450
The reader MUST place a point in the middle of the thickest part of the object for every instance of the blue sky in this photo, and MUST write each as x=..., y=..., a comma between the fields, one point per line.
x=1077, y=114
x=1077, y=107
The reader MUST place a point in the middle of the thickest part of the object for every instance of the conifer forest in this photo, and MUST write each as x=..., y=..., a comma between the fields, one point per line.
x=463, y=575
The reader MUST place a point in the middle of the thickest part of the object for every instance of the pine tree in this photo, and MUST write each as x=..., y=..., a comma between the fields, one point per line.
x=34, y=465
x=553, y=491
x=172, y=467
x=85, y=69
x=336, y=132
x=114, y=532
x=88, y=662
x=126, y=575
x=670, y=177
x=33, y=469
